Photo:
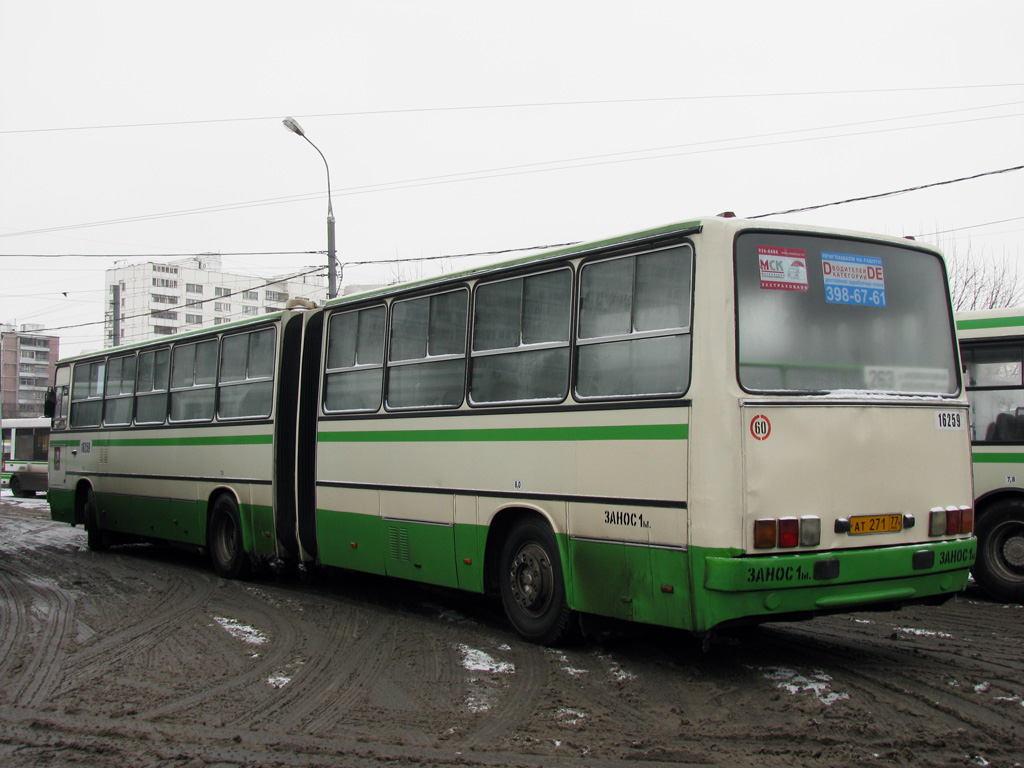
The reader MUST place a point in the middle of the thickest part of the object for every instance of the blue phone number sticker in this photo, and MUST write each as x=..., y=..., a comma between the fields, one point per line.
x=851, y=279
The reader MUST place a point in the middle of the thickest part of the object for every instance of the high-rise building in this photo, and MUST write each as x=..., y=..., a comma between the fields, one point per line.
x=27, y=360
x=162, y=299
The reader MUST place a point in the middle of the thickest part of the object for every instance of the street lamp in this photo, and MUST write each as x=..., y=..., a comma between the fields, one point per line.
x=332, y=278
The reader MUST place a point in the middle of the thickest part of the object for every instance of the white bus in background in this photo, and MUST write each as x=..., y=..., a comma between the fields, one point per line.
x=26, y=443
x=992, y=351
x=712, y=422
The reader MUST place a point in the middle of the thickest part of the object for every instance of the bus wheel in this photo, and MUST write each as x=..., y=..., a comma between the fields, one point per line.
x=95, y=538
x=225, y=538
x=17, y=490
x=532, y=586
x=999, y=568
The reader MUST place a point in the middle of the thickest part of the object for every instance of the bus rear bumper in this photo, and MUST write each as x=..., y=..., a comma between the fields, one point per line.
x=777, y=587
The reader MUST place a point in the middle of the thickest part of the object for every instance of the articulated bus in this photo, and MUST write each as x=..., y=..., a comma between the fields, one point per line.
x=714, y=422
x=992, y=352
x=23, y=465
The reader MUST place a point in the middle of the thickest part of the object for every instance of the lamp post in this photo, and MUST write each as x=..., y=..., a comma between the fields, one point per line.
x=332, y=276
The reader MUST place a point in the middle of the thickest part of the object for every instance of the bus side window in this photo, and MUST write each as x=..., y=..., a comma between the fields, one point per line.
x=633, y=337
x=193, y=381
x=995, y=385
x=120, y=390
x=151, y=389
x=87, y=394
x=521, y=339
x=355, y=361
x=247, y=375
x=427, y=363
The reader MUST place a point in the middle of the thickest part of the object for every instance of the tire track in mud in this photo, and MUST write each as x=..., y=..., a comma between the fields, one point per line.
x=183, y=594
x=222, y=697
x=48, y=620
x=898, y=677
x=517, y=703
x=365, y=664
x=324, y=654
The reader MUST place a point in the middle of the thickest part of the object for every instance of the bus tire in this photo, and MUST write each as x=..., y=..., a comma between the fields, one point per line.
x=95, y=537
x=532, y=585
x=17, y=490
x=999, y=568
x=225, y=538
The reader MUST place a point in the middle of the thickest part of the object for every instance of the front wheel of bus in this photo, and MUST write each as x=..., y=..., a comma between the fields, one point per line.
x=95, y=538
x=225, y=537
x=999, y=568
x=532, y=585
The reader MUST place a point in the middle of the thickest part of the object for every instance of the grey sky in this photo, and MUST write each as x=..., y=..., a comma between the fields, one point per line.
x=457, y=127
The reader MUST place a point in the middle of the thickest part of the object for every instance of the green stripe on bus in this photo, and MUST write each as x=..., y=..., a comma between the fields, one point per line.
x=989, y=322
x=152, y=442
x=999, y=458
x=535, y=434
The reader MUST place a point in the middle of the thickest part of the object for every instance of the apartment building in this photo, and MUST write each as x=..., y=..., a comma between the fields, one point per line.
x=27, y=360
x=162, y=299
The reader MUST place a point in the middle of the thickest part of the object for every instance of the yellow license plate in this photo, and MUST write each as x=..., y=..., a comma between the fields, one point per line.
x=876, y=524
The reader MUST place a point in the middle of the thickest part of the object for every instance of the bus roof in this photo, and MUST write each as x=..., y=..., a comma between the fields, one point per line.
x=990, y=322
x=726, y=223
x=721, y=224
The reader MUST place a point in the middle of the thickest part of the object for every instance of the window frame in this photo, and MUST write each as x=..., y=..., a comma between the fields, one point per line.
x=121, y=395
x=522, y=347
x=684, y=331
x=969, y=345
x=342, y=370
x=247, y=380
x=152, y=393
x=390, y=365
x=173, y=390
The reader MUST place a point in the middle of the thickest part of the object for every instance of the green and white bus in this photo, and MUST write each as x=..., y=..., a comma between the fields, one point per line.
x=23, y=465
x=992, y=351
x=709, y=423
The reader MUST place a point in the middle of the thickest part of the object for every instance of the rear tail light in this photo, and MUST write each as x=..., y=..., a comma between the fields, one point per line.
x=967, y=520
x=787, y=532
x=810, y=531
x=764, y=534
x=951, y=521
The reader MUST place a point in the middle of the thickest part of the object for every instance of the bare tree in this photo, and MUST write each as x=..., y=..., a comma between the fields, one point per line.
x=981, y=281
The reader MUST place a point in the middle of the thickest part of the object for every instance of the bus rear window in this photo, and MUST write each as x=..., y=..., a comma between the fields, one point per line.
x=820, y=315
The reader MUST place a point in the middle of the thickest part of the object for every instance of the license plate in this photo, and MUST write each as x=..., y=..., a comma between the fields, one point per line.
x=876, y=524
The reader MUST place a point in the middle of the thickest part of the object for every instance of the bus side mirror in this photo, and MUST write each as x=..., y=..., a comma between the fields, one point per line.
x=49, y=403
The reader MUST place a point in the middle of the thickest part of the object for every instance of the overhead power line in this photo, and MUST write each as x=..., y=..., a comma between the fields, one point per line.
x=520, y=105
x=176, y=255
x=888, y=194
x=539, y=167
x=273, y=281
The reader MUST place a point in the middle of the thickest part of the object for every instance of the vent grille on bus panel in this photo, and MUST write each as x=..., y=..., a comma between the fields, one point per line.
x=399, y=541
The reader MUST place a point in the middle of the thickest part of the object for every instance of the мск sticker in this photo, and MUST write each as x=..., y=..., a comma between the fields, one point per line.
x=782, y=269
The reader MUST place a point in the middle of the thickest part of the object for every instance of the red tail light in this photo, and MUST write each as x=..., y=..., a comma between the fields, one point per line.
x=952, y=522
x=789, y=532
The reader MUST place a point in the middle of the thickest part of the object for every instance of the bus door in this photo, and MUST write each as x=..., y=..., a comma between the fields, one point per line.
x=60, y=448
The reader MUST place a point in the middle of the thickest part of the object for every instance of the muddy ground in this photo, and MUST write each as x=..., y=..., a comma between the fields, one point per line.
x=142, y=656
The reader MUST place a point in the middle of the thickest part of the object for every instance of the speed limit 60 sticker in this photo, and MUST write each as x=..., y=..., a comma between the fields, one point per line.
x=950, y=420
x=760, y=427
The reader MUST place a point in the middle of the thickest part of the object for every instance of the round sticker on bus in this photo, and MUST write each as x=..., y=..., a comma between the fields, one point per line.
x=760, y=427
